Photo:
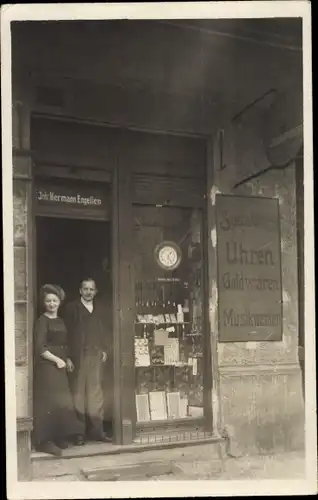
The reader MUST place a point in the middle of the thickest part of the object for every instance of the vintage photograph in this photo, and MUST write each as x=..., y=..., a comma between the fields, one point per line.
x=159, y=175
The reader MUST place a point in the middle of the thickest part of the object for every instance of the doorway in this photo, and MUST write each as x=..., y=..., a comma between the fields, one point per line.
x=68, y=250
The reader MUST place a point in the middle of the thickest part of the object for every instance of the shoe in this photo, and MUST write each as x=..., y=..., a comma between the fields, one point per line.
x=51, y=448
x=62, y=444
x=79, y=441
x=101, y=437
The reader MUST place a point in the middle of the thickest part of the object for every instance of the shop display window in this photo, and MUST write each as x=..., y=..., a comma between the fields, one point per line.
x=168, y=344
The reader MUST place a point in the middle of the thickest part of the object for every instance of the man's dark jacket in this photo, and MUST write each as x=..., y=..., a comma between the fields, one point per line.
x=87, y=329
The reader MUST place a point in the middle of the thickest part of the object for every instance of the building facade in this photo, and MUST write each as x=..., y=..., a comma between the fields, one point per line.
x=157, y=171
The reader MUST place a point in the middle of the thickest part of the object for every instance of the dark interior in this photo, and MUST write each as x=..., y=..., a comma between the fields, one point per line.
x=69, y=250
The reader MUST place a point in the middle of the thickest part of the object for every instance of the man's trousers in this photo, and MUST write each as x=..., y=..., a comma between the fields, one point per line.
x=88, y=397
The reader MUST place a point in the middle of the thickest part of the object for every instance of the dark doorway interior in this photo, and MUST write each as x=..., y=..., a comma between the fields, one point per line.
x=69, y=250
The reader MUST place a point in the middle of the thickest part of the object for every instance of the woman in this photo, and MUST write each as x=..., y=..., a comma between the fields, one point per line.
x=55, y=420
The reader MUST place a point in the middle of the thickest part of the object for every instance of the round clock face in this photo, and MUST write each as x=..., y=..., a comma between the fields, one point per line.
x=168, y=255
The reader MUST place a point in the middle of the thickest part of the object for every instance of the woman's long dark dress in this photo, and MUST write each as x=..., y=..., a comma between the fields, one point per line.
x=54, y=414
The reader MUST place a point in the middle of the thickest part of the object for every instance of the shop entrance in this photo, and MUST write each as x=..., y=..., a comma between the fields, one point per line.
x=68, y=250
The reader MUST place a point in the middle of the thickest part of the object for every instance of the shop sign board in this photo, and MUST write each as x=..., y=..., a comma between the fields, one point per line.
x=249, y=269
x=88, y=200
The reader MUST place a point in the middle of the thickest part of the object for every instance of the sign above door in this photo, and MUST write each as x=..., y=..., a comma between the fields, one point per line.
x=72, y=199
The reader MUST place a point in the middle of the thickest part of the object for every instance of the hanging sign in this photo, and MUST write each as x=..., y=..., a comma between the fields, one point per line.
x=72, y=199
x=249, y=269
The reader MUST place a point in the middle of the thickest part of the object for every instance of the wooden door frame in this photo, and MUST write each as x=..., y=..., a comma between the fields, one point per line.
x=122, y=196
x=124, y=411
x=116, y=411
x=123, y=305
x=299, y=165
x=207, y=418
x=212, y=296
x=208, y=355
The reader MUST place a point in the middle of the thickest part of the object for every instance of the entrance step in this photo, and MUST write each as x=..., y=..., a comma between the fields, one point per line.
x=95, y=449
x=131, y=472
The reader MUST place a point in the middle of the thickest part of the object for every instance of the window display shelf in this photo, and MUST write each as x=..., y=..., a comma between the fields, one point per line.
x=176, y=365
x=162, y=325
x=168, y=322
x=171, y=422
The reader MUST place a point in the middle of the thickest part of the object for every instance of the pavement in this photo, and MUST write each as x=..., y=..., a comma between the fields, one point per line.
x=194, y=462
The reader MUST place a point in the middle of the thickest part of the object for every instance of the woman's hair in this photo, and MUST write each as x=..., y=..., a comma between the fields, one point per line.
x=55, y=289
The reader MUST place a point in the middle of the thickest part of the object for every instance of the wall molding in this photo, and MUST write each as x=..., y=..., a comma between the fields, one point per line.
x=22, y=152
x=84, y=99
x=24, y=424
x=73, y=172
x=256, y=370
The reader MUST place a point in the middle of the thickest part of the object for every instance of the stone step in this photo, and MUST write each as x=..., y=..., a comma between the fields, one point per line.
x=131, y=472
x=96, y=449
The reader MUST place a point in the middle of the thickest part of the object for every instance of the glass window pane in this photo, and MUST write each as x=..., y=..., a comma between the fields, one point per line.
x=169, y=316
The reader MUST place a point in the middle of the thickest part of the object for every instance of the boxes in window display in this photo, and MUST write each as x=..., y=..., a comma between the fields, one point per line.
x=157, y=355
x=171, y=352
x=161, y=405
x=142, y=407
x=170, y=332
x=162, y=350
x=142, y=356
x=170, y=367
x=173, y=404
x=158, y=405
x=161, y=336
x=158, y=319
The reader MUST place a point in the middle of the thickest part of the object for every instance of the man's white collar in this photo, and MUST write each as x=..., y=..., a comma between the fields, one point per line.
x=87, y=303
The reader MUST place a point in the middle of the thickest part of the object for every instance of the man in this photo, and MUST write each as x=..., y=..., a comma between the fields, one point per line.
x=87, y=343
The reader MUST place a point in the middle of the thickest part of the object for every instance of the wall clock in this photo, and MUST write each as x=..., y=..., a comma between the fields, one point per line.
x=168, y=255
